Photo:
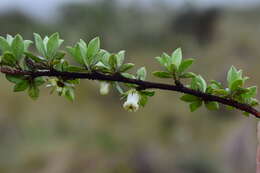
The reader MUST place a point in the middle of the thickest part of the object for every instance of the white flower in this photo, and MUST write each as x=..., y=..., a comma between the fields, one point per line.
x=104, y=88
x=132, y=102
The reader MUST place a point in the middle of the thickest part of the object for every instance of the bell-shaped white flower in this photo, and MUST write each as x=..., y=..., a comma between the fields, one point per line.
x=104, y=88
x=132, y=102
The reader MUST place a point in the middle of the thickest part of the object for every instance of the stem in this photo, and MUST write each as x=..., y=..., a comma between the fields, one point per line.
x=141, y=84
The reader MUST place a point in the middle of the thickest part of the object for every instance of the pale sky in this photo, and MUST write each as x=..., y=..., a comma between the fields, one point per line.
x=45, y=8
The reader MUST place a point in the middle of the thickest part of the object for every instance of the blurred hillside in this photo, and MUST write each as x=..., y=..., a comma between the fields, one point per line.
x=94, y=134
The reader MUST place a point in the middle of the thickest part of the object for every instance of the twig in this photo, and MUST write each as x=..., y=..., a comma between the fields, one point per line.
x=141, y=84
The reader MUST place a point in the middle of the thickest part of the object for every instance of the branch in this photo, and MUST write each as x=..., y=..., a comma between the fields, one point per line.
x=141, y=84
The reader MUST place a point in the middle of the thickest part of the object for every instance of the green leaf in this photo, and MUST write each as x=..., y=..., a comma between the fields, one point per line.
x=185, y=65
x=220, y=92
x=215, y=84
x=9, y=59
x=39, y=81
x=39, y=44
x=143, y=100
x=120, y=58
x=163, y=61
x=177, y=57
x=246, y=114
x=93, y=47
x=254, y=102
x=72, y=68
x=9, y=39
x=126, y=67
x=202, y=83
x=112, y=62
x=33, y=57
x=233, y=75
x=148, y=93
x=27, y=43
x=242, y=91
x=188, y=75
x=212, y=105
x=76, y=54
x=252, y=92
x=18, y=47
x=230, y=108
x=59, y=55
x=4, y=46
x=162, y=74
x=33, y=92
x=127, y=75
x=14, y=78
x=141, y=73
x=236, y=84
x=69, y=94
x=53, y=44
x=21, y=86
x=198, y=83
x=195, y=105
x=172, y=68
x=189, y=98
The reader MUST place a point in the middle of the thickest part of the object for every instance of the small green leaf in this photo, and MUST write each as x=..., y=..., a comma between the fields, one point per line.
x=4, y=46
x=143, y=100
x=14, y=78
x=9, y=59
x=39, y=44
x=233, y=75
x=252, y=92
x=120, y=58
x=220, y=92
x=162, y=74
x=195, y=105
x=215, y=84
x=236, y=84
x=21, y=86
x=246, y=114
x=212, y=105
x=18, y=47
x=254, y=102
x=198, y=83
x=93, y=47
x=185, y=65
x=33, y=92
x=230, y=108
x=126, y=67
x=39, y=81
x=177, y=57
x=162, y=61
x=33, y=57
x=70, y=94
x=76, y=54
x=127, y=75
x=141, y=73
x=72, y=68
x=59, y=55
x=27, y=43
x=189, y=98
x=148, y=93
x=202, y=83
x=9, y=39
x=113, y=62
x=188, y=75
x=53, y=44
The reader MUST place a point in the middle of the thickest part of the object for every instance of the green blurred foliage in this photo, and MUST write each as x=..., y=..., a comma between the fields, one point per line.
x=95, y=134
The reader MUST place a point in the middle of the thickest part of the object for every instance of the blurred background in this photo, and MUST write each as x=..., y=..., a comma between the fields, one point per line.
x=94, y=134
